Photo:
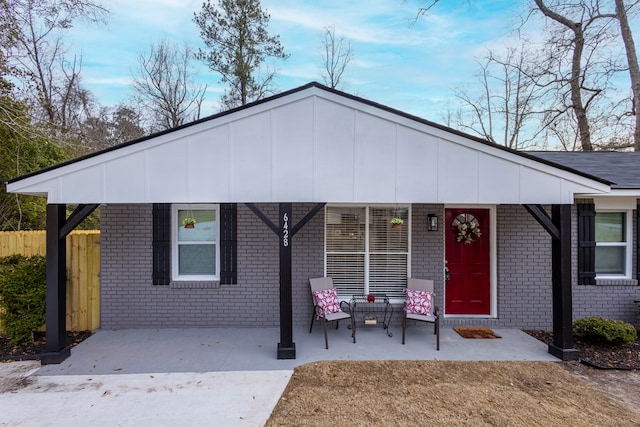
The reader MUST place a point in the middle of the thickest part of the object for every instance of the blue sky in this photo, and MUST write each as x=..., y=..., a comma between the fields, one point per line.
x=413, y=67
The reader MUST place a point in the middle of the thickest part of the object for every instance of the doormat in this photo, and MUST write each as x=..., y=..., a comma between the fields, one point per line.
x=476, y=333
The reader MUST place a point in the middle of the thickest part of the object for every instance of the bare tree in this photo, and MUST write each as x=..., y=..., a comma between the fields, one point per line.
x=576, y=19
x=505, y=111
x=126, y=124
x=569, y=73
x=430, y=4
x=562, y=133
x=13, y=112
x=336, y=56
x=111, y=126
x=35, y=46
x=425, y=9
x=235, y=32
x=165, y=85
x=634, y=69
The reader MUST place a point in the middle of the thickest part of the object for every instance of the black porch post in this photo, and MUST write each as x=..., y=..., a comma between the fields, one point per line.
x=285, y=232
x=286, y=346
x=57, y=349
x=562, y=346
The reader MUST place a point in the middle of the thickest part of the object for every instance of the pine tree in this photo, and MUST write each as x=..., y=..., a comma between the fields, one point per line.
x=235, y=32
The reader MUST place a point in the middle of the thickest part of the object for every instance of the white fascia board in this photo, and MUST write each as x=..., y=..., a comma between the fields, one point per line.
x=615, y=202
x=615, y=192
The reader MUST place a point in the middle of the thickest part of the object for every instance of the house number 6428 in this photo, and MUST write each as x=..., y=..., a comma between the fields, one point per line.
x=285, y=230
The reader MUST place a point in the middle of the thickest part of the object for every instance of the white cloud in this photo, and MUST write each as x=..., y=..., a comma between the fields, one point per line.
x=108, y=81
x=396, y=63
x=374, y=22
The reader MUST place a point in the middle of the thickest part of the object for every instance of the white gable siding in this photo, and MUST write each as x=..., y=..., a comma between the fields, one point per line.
x=334, y=145
x=494, y=174
x=309, y=146
x=292, y=141
x=208, y=152
x=417, y=166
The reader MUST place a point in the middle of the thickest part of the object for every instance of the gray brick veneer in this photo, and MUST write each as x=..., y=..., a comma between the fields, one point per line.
x=130, y=300
x=611, y=299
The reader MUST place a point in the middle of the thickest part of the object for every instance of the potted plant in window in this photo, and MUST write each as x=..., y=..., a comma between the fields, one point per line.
x=396, y=222
x=189, y=222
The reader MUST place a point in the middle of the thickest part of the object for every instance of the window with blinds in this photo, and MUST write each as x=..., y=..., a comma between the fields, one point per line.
x=364, y=252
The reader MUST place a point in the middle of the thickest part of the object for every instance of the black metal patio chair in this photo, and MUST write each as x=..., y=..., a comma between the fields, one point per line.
x=327, y=308
x=420, y=305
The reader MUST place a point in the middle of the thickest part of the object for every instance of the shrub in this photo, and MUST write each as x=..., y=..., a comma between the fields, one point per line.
x=612, y=331
x=22, y=296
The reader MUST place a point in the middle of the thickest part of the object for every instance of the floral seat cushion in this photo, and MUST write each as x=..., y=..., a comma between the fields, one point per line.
x=327, y=300
x=419, y=302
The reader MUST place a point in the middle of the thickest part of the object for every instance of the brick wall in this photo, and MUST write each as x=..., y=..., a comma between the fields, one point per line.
x=524, y=270
x=128, y=299
x=611, y=299
x=524, y=277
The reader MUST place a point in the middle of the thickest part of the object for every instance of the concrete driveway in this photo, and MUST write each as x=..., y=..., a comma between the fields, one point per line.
x=162, y=399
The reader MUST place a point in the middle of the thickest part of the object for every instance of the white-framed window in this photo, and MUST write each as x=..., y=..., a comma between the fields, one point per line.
x=364, y=252
x=195, y=251
x=613, y=244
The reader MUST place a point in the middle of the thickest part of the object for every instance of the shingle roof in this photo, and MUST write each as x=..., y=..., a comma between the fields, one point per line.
x=621, y=168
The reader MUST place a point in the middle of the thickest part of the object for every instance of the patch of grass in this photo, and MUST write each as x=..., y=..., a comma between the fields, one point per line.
x=443, y=393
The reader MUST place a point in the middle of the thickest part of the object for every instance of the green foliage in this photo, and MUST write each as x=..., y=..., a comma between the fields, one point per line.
x=22, y=296
x=92, y=222
x=612, y=331
x=235, y=32
x=24, y=149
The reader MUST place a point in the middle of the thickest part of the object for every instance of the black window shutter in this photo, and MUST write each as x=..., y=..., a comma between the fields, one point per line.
x=161, y=243
x=586, y=244
x=228, y=244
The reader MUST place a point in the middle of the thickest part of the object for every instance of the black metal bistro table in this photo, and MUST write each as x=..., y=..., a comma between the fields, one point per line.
x=366, y=310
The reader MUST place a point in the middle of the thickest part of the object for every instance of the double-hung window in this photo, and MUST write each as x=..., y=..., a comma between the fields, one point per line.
x=613, y=239
x=365, y=252
x=195, y=249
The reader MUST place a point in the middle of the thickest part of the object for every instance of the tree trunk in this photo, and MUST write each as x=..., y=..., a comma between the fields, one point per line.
x=634, y=70
x=576, y=72
x=576, y=96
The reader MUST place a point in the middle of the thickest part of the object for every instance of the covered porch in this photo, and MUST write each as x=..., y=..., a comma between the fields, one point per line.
x=311, y=146
x=134, y=351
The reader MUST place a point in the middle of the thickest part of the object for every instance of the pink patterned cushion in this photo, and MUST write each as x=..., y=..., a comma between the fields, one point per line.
x=327, y=299
x=419, y=302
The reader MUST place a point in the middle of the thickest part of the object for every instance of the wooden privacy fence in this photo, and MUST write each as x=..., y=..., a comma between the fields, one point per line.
x=83, y=271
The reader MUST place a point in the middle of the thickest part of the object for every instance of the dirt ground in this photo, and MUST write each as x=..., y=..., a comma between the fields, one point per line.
x=623, y=386
x=443, y=393
x=15, y=375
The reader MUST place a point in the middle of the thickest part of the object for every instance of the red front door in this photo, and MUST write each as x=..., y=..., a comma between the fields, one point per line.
x=468, y=256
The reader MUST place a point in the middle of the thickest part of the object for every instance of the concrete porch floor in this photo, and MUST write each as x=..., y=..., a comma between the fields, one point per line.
x=135, y=351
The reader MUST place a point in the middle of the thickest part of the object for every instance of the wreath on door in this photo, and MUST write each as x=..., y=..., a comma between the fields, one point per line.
x=468, y=228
